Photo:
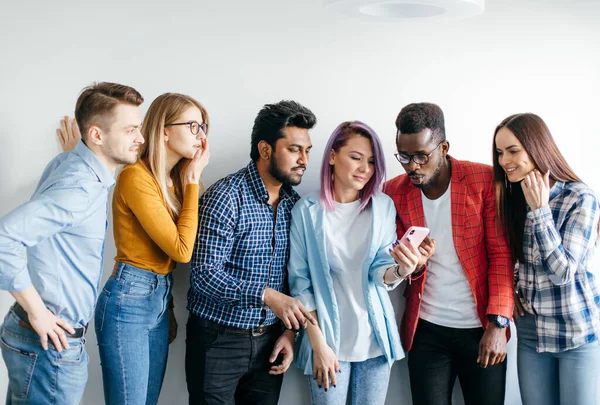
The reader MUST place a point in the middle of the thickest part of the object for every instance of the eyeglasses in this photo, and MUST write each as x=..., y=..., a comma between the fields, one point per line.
x=195, y=126
x=418, y=158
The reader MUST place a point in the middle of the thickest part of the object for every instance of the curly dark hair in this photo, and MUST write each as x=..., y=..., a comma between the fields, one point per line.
x=418, y=116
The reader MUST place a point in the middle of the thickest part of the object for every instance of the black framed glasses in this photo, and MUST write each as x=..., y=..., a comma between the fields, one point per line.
x=195, y=126
x=418, y=158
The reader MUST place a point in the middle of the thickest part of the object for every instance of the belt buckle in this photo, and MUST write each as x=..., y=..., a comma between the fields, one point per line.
x=259, y=331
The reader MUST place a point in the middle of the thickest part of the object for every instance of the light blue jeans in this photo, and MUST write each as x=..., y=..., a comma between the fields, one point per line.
x=132, y=326
x=38, y=376
x=571, y=377
x=365, y=381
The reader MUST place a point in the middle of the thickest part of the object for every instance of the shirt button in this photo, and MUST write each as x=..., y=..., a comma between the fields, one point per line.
x=531, y=283
x=251, y=306
x=419, y=295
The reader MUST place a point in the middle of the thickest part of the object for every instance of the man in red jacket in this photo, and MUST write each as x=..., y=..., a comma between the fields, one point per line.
x=458, y=307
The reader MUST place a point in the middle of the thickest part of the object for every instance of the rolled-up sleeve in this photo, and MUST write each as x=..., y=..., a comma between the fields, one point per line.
x=562, y=251
x=47, y=213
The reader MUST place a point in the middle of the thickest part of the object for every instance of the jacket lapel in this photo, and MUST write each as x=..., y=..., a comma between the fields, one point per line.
x=414, y=203
x=317, y=217
x=457, y=206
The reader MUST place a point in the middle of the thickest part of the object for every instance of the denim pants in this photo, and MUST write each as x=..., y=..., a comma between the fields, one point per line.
x=38, y=376
x=132, y=327
x=439, y=354
x=365, y=381
x=226, y=368
x=571, y=377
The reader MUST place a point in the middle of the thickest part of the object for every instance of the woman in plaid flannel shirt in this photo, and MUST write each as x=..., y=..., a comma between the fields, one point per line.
x=551, y=222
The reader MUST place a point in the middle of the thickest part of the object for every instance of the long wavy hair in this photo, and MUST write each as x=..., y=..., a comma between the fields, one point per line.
x=164, y=110
x=539, y=144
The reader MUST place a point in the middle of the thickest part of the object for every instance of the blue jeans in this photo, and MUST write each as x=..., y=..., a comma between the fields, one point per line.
x=38, y=376
x=571, y=377
x=365, y=381
x=132, y=326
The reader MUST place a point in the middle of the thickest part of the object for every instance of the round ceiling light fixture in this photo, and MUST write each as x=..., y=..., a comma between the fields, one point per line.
x=408, y=9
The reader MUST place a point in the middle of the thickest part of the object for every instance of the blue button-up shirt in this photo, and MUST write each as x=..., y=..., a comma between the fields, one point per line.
x=558, y=281
x=62, y=227
x=242, y=247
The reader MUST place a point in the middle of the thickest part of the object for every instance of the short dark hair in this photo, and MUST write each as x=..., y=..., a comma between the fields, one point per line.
x=418, y=116
x=273, y=118
x=100, y=99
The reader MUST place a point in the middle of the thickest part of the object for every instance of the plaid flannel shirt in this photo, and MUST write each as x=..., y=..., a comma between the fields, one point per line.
x=558, y=281
x=242, y=247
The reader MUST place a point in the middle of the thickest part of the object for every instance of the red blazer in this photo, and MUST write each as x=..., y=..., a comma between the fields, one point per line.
x=478, y=240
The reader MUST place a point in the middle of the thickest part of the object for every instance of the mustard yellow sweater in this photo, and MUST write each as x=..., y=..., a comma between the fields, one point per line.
x=145, y=234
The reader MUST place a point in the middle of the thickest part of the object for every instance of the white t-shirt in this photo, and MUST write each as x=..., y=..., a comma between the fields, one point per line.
x=447, y=297
x=348, y=236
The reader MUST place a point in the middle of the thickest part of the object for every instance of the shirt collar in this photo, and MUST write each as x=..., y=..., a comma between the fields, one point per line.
x=556, y=189
x=104, y=175
x=260, y=191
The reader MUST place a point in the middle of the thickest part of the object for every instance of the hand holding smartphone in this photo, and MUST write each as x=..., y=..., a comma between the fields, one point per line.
x=407, y=262
x=415, y=236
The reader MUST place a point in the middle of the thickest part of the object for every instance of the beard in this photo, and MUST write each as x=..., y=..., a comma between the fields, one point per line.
x=434, y=177
x=116, y=154
x=290, y=178
x=122, y=160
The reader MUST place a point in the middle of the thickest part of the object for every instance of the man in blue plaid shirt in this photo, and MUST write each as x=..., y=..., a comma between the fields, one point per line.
x=236, y=351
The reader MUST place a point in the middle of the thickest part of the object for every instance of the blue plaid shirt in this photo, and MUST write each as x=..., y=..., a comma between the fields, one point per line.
x=558, y=282
x=242, y=247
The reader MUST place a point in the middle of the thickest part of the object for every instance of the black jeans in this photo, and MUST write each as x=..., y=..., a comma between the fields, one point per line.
x=224, y=368
x=440, y=354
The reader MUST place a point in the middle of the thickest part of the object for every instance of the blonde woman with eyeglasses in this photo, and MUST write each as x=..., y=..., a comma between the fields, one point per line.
x=155, y=219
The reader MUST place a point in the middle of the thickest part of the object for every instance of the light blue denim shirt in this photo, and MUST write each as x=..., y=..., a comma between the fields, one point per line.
x=310, y=277
x=62, y=228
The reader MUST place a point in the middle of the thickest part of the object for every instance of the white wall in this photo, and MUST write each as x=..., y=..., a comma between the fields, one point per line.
x=234, y=56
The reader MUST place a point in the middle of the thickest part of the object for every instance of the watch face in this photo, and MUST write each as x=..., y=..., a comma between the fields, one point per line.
x=500, y=320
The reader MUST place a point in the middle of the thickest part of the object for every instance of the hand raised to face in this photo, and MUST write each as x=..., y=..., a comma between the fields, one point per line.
x=536, y=189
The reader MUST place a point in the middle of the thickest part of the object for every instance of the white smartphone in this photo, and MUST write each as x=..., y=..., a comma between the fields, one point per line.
x=415, y=235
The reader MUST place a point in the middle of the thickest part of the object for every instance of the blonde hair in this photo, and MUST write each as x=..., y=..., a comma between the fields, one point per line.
x=164, y=110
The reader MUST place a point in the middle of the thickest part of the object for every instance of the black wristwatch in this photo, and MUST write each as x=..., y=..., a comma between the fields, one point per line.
x=499, y=321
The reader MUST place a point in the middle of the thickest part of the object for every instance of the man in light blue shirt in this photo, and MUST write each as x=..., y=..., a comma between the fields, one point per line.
x=62, y=228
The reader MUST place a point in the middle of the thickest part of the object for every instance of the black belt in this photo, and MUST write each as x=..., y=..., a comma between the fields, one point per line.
x=24, y=323
x=258, y=331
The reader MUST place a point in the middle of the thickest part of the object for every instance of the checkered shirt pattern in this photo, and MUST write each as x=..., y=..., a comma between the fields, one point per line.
x=478, y=239
x=558, y=281
x=241, y=248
